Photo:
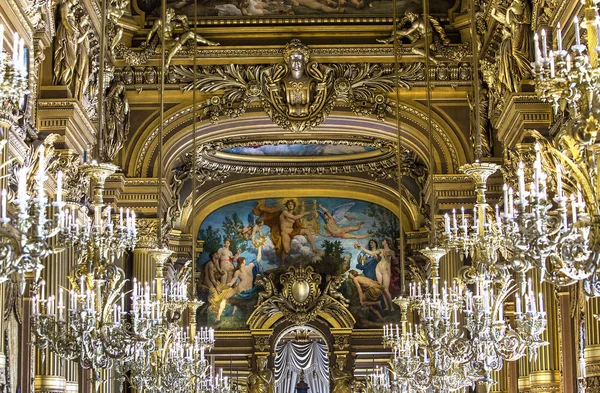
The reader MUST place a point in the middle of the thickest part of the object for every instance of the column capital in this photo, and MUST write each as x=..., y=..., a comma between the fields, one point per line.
x=146, y=233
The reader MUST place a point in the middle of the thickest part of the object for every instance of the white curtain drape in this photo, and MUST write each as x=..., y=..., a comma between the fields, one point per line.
x=293, y=357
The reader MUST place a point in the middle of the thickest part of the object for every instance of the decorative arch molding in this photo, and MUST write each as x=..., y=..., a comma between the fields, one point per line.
x=299, y=186
x=339, y=319
x=449, y=143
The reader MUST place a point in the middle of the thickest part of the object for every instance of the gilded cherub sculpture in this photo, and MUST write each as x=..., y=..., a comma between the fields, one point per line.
x=170, y=42
x=418, y=33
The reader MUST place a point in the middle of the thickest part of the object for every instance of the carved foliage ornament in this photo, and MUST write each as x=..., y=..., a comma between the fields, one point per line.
x=262, y=343
x=298, y=95
x=300, y=300
x=147, y=230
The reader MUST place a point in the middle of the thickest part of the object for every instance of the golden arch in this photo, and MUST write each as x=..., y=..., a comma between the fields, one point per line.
x=450, y=143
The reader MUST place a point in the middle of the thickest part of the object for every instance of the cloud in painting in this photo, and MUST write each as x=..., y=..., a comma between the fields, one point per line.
x=300, y=247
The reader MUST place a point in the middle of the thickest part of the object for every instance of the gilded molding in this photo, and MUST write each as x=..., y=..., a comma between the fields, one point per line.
x=213, y=163
x=262, y=342
x=440, y=136
x=25, y=23
x=364, y=88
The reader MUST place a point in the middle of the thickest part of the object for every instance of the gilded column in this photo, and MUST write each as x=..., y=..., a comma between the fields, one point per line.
x=566, y=343
x=523, y=382
x=450, y=264
x=72, y=368
x=544, y=372
x=501, y=378
x=26, y=350
x=50, y=370
x=144, y=269
x=592, y=344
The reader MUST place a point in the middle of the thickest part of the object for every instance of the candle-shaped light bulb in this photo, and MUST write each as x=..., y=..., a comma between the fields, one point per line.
x=577, y=32
x=536, y=43
x=544, y=44
x=20, y=54
x=454, y=224
x=59, y=186
x=558, y=37
x=3, y=204
x=559, y=189
x=15, y=47
x=521, y=176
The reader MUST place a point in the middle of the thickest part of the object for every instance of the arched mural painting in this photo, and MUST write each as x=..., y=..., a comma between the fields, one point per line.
x=336, y=236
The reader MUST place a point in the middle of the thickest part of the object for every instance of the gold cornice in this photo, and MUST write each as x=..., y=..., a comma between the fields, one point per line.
x=450, y=144
x=522, y=111
x=66, y=117
x=270, y=54
x=233, y=334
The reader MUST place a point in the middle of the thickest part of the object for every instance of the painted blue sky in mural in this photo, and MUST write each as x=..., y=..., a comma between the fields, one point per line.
x=331, y=234
x=350, y=222
x=298, y=149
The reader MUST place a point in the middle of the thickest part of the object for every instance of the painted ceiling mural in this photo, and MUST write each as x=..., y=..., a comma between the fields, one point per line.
x=336, y=236
x=239, y=8
x=299, y=149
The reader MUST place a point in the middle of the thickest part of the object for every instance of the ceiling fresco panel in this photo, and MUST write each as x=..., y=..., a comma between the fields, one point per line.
x=274, y=8
x=336, y=236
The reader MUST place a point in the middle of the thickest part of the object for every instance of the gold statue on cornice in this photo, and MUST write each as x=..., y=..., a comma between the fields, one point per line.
x=514, y=54
x=419, y=34
x=169, y=41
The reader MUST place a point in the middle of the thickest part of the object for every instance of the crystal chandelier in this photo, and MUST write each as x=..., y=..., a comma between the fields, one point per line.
x=107, y=236
x=379, y=381
x=95, y=330
x=178, y=362
x=13, y=77
x=550, y=234
x=492, y=339
x=568, y=78
x=442, y=362
x=25, y=243
x=480, y=238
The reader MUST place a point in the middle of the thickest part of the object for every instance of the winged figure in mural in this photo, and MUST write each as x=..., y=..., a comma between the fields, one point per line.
x=285, y=224
x=331, y=220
